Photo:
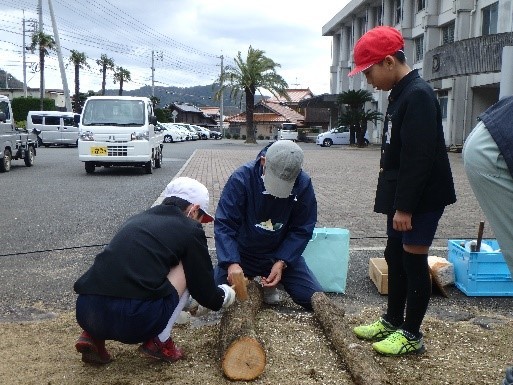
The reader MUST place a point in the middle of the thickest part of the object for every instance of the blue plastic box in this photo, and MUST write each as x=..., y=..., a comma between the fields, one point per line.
x=480, y=274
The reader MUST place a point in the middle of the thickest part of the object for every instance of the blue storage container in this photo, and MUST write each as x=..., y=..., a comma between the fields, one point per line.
x=480, y=274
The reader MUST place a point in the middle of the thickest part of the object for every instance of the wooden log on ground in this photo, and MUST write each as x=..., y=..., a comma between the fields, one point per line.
x=241, y=352
x=358, y=355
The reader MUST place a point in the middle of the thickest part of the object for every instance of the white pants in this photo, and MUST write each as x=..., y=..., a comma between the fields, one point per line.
x=492, y=184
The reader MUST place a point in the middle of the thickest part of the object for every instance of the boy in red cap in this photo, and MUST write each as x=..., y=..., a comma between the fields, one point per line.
x=414, y=186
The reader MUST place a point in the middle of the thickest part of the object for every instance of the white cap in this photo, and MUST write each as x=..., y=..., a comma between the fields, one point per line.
x=283, y=162
x=192, y=191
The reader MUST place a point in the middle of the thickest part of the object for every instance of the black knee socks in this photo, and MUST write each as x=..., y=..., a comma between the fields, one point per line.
x=409, y=286
x=419, y=290
x=397, y=282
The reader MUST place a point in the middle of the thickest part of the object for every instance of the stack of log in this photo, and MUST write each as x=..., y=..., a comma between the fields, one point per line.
x=243, y=356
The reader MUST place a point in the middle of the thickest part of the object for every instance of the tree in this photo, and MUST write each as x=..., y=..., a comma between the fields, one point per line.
x=246, y=77
x=106, y=64
x=121, y=75
x=79, y=61
x=45, y=43
x=355, y=115
x=155, y=101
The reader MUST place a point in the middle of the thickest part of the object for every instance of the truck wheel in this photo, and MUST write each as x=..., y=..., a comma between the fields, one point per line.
x=29, y=157
x=168, y=139
x=89, y=167
x=148, y=167
x=5, y=165
x=158, y=159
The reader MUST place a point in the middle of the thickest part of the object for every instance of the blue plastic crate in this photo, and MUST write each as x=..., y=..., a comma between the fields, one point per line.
x=480, y=274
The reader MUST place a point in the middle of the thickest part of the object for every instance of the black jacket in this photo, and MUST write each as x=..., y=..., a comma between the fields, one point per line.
x=415, y=174
x=137, y=260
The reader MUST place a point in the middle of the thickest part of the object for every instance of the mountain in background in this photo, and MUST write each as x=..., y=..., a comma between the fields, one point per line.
x=199, y=96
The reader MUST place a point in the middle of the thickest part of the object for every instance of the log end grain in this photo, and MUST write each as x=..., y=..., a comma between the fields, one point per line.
x=244, y=360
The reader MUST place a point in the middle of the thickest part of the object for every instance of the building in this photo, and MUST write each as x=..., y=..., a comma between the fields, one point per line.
x=188, y=113
x=458, y=46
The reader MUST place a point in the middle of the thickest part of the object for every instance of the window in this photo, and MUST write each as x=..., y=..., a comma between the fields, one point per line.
x=4, y=107
x=68, y=121
x=443, y=97
x=52, y=120
x=37, y=119
x=419, y=48
x=490, y=15
x=379, y=16
x=397, y=14
x=448, y=33
x=421, y=4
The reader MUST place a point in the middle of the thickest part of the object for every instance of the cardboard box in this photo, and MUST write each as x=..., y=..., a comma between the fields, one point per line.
x=378, y=273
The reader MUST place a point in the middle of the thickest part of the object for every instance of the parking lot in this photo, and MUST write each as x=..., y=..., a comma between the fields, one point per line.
x=58, y=217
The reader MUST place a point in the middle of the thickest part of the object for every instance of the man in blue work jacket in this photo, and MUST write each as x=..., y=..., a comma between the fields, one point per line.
x=265, y=217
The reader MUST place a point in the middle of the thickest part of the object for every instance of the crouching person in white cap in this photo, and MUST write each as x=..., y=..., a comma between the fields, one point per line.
x=138, y=285
x=265, y=217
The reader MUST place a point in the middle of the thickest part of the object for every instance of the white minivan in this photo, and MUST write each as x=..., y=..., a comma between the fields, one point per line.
x=119, y=131
x=56, y=127
x=287, y=131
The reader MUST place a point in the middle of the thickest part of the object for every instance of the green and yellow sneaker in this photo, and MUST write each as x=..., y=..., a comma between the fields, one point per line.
x=399, y=343
x=376, y=331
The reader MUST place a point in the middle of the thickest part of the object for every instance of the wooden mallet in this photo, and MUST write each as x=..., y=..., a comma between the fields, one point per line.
x=240, y=285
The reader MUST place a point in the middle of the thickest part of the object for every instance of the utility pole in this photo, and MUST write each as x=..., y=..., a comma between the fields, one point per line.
x=221, y=100
x=24, y=59
x=159, y=56
x=67, y=98
x=40, y=27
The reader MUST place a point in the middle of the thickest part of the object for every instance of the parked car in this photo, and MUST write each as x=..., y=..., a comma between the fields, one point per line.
x=215, y=135
x=184, y=132
x=193, y=134
x=337, y=135
x=170, y=134
x=202, y=132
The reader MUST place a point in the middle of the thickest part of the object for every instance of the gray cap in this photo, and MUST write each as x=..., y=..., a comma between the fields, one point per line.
x=283, y=162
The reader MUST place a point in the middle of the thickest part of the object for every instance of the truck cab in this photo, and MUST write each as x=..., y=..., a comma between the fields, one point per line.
x=14, y=143
x=119, y=131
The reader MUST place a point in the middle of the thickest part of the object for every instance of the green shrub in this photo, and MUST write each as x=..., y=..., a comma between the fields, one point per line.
x=260, y=137
x=21, y=106
x=243, y=137
x=236, y=136
x=228, y=135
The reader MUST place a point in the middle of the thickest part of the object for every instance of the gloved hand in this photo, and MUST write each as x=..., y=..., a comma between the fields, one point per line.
x=229, y=295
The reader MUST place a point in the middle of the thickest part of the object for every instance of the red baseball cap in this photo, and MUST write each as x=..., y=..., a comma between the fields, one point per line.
x=374, y=46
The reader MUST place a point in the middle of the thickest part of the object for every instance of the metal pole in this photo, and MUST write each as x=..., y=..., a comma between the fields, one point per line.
x=67, y=98
x=24, y=48
x=221, y=102
x=152, y=73
x=506, y=85
x=40, y=27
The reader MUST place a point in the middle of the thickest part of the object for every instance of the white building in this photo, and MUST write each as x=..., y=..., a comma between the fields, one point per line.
x=457, y=46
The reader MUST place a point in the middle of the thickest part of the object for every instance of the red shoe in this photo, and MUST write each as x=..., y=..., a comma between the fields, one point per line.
x=165, y=351
x=93, y=351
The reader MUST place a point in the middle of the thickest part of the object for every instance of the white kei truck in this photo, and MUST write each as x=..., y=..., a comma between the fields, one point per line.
x=15, y=143
x=119, y=131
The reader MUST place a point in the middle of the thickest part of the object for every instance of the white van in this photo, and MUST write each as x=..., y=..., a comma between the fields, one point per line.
x=288, y=131
x=119, y=131
x=56, y=127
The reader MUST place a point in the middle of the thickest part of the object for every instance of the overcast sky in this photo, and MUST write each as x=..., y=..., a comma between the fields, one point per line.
x=187, y=38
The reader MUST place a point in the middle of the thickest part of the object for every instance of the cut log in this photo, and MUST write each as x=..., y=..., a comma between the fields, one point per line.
x=242, y=354
x=357, y=355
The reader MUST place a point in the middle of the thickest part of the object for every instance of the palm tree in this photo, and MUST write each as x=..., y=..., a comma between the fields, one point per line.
x=355, y=115
x=106, y=64
x=121, y=75
x=257, y=72
x=79, y=61
x=45, y=44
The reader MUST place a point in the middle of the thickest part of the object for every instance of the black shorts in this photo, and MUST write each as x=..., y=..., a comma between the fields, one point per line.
x=423, y=230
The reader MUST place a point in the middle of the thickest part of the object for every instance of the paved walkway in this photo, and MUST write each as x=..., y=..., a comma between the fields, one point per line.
x=344, y=180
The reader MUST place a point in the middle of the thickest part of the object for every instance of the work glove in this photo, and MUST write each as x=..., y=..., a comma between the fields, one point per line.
x=229, y=295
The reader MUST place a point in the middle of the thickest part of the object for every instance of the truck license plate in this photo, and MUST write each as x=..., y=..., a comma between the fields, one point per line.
x=99, y=151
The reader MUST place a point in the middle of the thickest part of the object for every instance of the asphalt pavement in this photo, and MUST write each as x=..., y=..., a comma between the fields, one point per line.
x=37, y=281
